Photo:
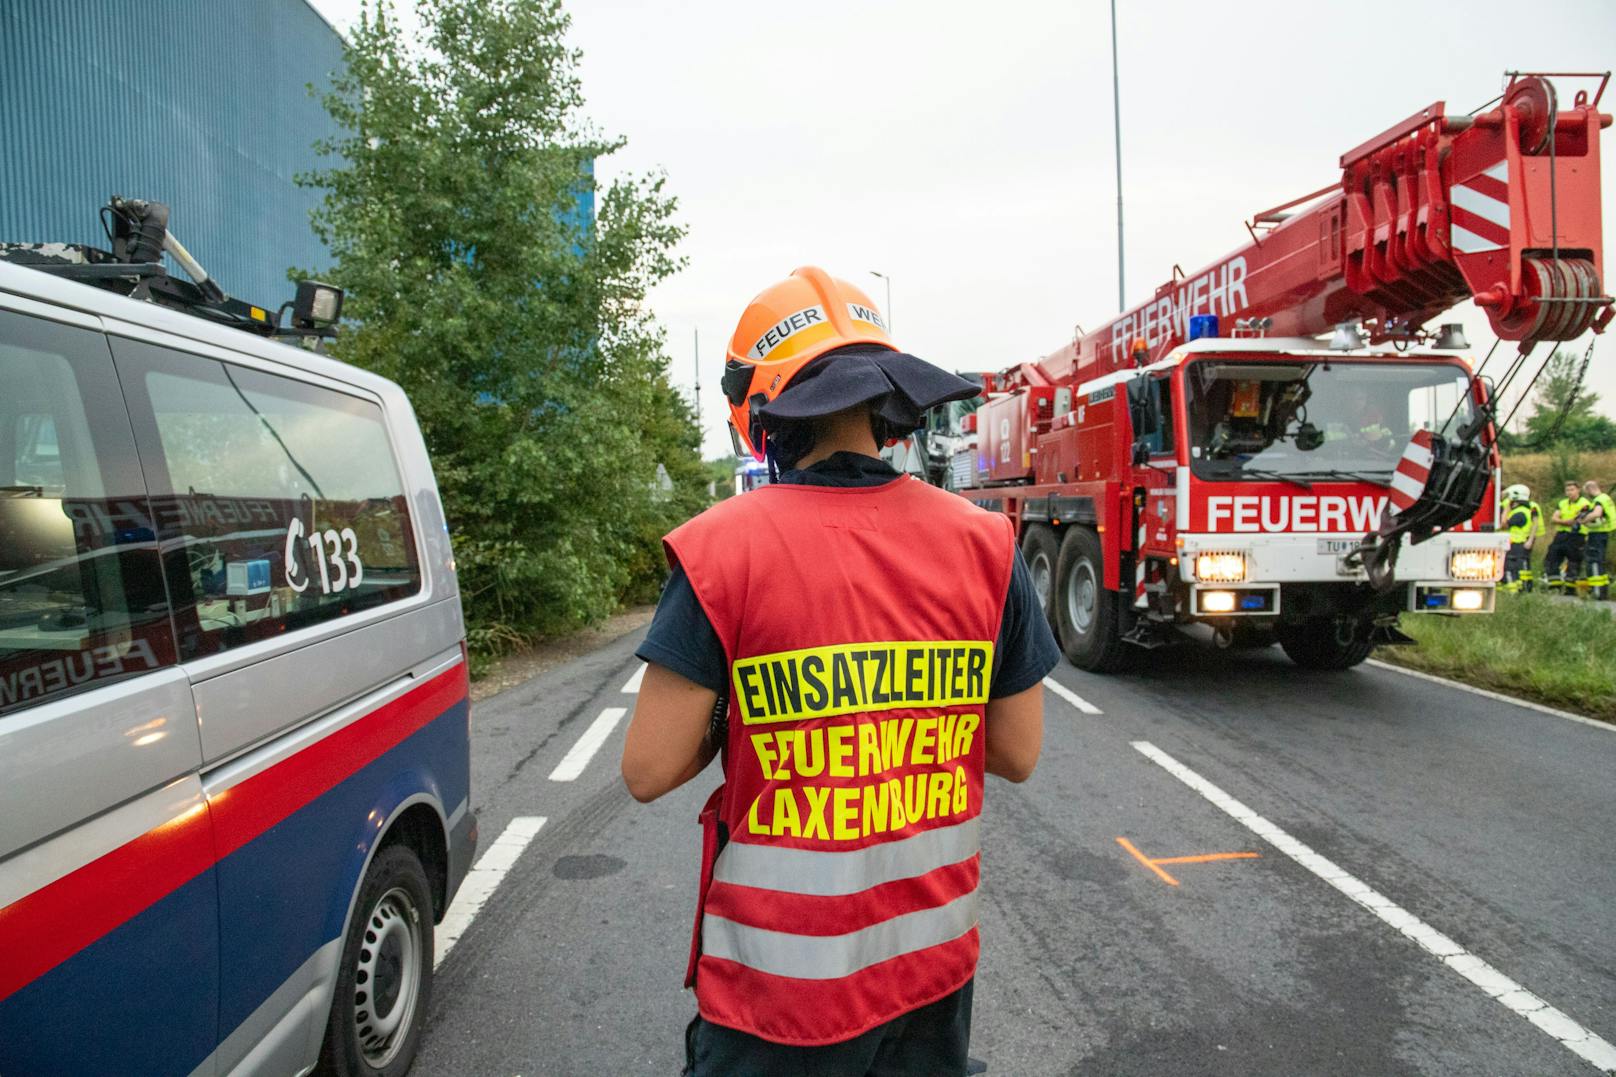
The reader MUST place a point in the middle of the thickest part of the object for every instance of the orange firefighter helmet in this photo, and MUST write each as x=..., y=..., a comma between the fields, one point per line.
x=784, y=328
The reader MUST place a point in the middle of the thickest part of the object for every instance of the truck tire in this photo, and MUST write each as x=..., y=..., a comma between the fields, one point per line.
x=384, y=980
x=1325, y=643
x=1086, y=615
x=1040, y=550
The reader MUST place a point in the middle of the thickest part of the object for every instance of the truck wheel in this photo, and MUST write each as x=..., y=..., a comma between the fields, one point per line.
x=1039, y=549
x=1086, y=615
x=384, y=980
x=1324, y=643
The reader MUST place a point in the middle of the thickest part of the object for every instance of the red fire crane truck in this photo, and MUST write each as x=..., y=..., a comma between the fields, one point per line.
x=1210, y=457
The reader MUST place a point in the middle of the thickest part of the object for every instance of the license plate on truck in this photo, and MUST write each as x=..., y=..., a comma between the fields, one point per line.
x=1338, y=546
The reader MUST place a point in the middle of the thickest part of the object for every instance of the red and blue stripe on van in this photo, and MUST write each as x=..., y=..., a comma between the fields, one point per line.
x=145, y=958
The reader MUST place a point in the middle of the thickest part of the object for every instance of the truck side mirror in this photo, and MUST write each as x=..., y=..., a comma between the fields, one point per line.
x=1144, y=411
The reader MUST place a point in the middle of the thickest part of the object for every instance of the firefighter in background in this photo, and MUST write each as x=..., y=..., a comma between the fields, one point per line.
x=1523, y=519
x=1564, y=563
x=1599, y=523
x=836, y=924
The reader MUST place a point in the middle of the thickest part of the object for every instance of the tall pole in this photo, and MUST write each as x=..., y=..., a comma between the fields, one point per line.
x=1116, y=123
x=888, y=308
x=697, y=364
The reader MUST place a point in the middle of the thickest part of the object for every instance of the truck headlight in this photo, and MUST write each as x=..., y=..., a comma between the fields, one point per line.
x=1220, y=567
x=1473, y=565
x=1469, y=601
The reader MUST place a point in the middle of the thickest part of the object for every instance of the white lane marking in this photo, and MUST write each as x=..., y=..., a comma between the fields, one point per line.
x=633, y=684
x=574, y=762
x=1608, y=727
x=1071, y=697
x=481, y=880
x=1574, y=1037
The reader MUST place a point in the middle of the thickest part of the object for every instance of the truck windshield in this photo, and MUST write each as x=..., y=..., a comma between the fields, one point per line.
x=1315, y=419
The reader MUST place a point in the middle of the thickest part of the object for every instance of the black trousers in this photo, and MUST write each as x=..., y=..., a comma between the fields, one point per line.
x=1566, y=548
x=1517, y=560
x=1593, y=558
x=928, y=1042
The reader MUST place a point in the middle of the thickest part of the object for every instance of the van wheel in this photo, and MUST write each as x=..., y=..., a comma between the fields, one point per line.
x=1039, y=549
x=384, y=981
x=1086, y=614
x=1325, y=643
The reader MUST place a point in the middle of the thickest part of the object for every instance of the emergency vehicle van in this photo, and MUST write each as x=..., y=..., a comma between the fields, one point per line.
x=234, y=722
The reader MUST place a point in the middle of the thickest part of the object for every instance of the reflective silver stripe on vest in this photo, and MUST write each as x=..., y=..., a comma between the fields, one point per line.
x=827, y=874
x=830, y=957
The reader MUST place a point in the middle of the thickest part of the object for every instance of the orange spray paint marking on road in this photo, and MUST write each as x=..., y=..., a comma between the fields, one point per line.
x=1154, y=863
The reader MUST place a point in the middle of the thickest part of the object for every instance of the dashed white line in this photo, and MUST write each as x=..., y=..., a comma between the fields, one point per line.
x=573, y=763
x=633, y=684
x=1071, y=697
x=1577, y=1039
x=481, y=881
x=1499, y=696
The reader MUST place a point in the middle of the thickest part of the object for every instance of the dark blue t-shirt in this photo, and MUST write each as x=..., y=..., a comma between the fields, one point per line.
x=681, y=638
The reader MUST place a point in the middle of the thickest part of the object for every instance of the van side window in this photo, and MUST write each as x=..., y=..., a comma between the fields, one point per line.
x=81, y=588
x=279, y=503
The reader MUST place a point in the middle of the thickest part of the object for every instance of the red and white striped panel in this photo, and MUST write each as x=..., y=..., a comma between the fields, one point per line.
x=1479, y=213
x=1140, y=600
x=1408, y=481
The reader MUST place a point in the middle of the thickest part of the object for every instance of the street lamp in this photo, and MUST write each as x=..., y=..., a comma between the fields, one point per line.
x=888, y=308
x=1116, y=126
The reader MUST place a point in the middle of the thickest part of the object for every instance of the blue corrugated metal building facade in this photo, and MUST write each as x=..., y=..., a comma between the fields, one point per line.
x=202, y=104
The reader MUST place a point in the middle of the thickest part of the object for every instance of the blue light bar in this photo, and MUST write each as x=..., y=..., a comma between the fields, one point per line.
x=1203, y=325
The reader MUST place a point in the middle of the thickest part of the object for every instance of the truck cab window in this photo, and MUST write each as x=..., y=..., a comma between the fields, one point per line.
x=81, y=592
x=1162, y=442
x=1316, y=420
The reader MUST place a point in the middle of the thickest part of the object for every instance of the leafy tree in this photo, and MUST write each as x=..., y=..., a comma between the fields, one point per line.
x=1557, y=391
x=519, y=331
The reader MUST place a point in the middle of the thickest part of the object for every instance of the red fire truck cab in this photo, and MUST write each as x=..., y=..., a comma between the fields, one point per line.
x=1229, y=484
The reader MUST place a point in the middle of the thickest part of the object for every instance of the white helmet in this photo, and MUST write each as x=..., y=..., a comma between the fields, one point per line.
x=1517, y=492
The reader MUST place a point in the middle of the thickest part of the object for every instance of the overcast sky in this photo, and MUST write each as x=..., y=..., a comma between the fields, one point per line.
x=966, y=149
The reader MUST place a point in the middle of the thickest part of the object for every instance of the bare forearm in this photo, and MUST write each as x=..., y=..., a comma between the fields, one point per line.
x=669, y=739
x=1015, y=734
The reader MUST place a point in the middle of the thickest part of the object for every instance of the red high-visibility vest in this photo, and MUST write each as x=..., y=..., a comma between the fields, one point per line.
x=859, y=624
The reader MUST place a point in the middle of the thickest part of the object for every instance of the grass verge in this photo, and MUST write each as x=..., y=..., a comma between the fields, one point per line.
x=1557, y=653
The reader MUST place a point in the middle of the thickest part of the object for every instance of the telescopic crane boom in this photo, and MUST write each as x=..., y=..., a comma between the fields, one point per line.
x=1501, y=207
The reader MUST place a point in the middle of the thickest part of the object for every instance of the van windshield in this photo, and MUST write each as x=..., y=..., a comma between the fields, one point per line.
x=1316, y=419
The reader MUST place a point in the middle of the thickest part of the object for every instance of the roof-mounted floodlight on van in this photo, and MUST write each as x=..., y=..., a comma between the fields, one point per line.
x=318, y=306
x=137, y=231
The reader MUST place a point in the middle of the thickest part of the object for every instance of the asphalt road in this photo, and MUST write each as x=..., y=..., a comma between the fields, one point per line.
x=1492, y=824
